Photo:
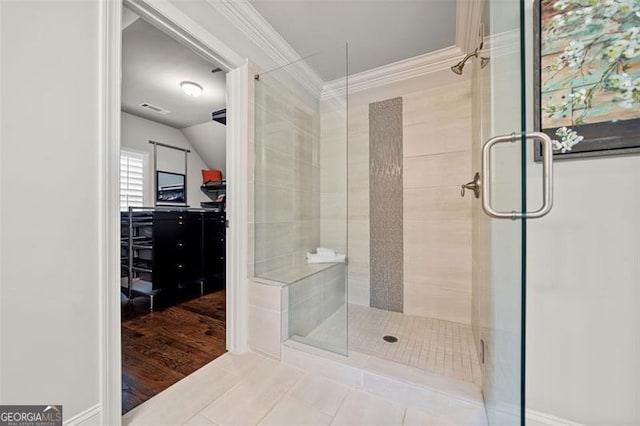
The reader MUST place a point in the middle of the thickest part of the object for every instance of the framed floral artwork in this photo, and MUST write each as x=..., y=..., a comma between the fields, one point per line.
x=587, y=76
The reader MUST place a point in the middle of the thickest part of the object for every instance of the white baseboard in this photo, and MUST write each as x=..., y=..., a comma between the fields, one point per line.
x=536, y=418
x=90, y=416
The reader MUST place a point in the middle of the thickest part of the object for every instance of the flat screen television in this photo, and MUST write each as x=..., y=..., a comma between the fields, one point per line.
x=170, y=188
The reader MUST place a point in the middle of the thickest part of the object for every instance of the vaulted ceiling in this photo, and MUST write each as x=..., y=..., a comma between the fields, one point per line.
x=154, y=64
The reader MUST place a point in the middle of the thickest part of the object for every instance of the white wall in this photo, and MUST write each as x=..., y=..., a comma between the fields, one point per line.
x=210, y=141
x=583, y=298
x=583, y=277
x=49, y=169
x=136, y=134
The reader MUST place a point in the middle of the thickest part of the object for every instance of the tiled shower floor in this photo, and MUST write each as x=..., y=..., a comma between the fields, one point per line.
x=437, y=346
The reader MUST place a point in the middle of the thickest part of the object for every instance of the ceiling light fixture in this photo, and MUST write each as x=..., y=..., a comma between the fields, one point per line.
x=191, y=88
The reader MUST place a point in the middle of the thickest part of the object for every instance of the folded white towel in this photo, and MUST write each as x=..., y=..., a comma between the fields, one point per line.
x=316, y=258
x=325, y=251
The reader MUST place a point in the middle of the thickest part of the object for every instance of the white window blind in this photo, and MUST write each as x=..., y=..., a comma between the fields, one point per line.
x=132, y=166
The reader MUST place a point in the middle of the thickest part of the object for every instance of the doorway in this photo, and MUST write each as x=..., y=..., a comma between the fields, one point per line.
x=172, y=209
x=190, y=34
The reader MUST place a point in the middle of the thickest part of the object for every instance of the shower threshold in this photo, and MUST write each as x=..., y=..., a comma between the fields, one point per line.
x=434, y=362
x=400, y=383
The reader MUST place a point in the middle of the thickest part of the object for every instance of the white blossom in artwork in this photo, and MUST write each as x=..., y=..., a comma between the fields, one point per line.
x=574, y=54
x=628, y=89
x=627, y=46
x=568, y=139
x=579, y=97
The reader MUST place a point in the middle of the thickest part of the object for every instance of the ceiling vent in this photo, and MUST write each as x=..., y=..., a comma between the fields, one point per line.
x=154, y=108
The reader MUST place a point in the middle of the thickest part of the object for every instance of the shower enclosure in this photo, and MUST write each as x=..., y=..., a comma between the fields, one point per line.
x=303, y=182
x=300, y=196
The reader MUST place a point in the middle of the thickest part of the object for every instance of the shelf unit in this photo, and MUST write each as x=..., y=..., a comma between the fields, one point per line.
x=137, y=253
x=213, y=190
x=171, y=250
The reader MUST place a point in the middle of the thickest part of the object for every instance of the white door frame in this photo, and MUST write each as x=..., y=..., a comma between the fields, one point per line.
x=172, y=21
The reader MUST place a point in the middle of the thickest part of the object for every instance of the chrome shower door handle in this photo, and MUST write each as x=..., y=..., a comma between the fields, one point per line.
x=547, y=176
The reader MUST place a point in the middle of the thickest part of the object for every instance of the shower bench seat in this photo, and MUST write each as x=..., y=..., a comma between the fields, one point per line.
x=292, y=274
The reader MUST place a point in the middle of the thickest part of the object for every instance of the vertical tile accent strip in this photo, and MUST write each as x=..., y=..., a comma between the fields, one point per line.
x=385, y=204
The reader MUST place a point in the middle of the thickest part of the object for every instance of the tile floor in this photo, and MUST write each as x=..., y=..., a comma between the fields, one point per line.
x=251, y=389
x=433, y=345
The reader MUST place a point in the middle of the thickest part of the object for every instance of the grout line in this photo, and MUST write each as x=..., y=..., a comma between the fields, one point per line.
x=279, y=400
x=438, y=154
x=341, y=404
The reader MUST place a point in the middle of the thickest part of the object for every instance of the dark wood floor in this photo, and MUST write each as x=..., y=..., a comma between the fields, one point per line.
x=162, y=347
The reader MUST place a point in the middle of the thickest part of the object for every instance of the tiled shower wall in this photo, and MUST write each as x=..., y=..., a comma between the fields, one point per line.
x=287, y=177
x=385, y=205
x=314, y=299
x=339, y=158
x=333, y=175
x=436, y=220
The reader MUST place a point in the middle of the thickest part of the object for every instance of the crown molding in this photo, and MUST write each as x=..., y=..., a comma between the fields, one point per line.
x=248, y=20
x=243, y=16
x=417, y=66
x=468, y=23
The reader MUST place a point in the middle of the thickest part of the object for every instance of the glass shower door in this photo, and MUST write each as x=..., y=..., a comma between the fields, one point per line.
x=300, y=198
x=500, y=155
